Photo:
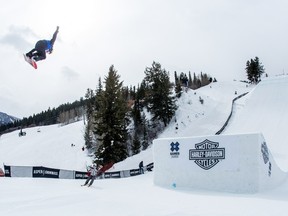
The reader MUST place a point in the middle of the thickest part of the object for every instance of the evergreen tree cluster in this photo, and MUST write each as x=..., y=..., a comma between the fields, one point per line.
x=64, y=114
x=194, y=83
x=254, y=70
x=116, y=123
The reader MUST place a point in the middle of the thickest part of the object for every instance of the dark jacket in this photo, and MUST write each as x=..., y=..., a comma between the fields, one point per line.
x=46, y=45
x=43, y=46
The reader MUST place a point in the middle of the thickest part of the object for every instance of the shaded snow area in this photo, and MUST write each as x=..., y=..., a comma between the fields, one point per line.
x=263, y=110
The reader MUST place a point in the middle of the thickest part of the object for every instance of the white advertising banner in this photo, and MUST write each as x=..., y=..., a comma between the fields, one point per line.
x=238, y=163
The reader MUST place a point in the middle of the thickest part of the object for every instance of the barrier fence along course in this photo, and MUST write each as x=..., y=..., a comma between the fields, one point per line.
x=46, y=172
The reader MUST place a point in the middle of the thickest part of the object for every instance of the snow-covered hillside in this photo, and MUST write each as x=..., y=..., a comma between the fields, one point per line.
x=49, y=146
x=195, y=119
x=262, y=110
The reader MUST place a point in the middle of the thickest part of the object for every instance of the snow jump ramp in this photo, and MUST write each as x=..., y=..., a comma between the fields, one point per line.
x=240, y=163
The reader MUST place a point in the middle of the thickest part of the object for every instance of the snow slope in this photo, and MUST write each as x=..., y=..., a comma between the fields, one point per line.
x=196, y=119
x=48, y=146
x=138, y=195
x=265, y=110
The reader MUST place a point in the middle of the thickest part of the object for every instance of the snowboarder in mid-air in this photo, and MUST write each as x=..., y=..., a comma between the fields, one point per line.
x=39, y=52
x=41, y=47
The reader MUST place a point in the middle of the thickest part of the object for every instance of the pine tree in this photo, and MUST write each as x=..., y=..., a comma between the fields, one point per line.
x=176, y=77
x=190, y=82
x=141, y=93
x=98, y=93
x=254, y=70
x=111, y=122
x=178, y=89
x=89, y=106
x=100, y=87
x=160, y=101
x=136, y=115
x=194, y=82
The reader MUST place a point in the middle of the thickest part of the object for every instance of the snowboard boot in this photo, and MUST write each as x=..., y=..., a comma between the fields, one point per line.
x=29, y=55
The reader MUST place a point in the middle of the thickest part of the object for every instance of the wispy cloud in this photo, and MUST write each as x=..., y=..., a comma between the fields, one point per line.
x=16, y=37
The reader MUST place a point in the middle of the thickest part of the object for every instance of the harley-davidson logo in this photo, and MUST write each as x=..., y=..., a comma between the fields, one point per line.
x=207, y=154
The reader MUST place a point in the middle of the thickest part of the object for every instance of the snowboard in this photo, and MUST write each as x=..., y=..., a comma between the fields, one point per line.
x=30, y=61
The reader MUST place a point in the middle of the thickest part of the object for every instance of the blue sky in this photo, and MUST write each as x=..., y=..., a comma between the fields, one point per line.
x=216, y=37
